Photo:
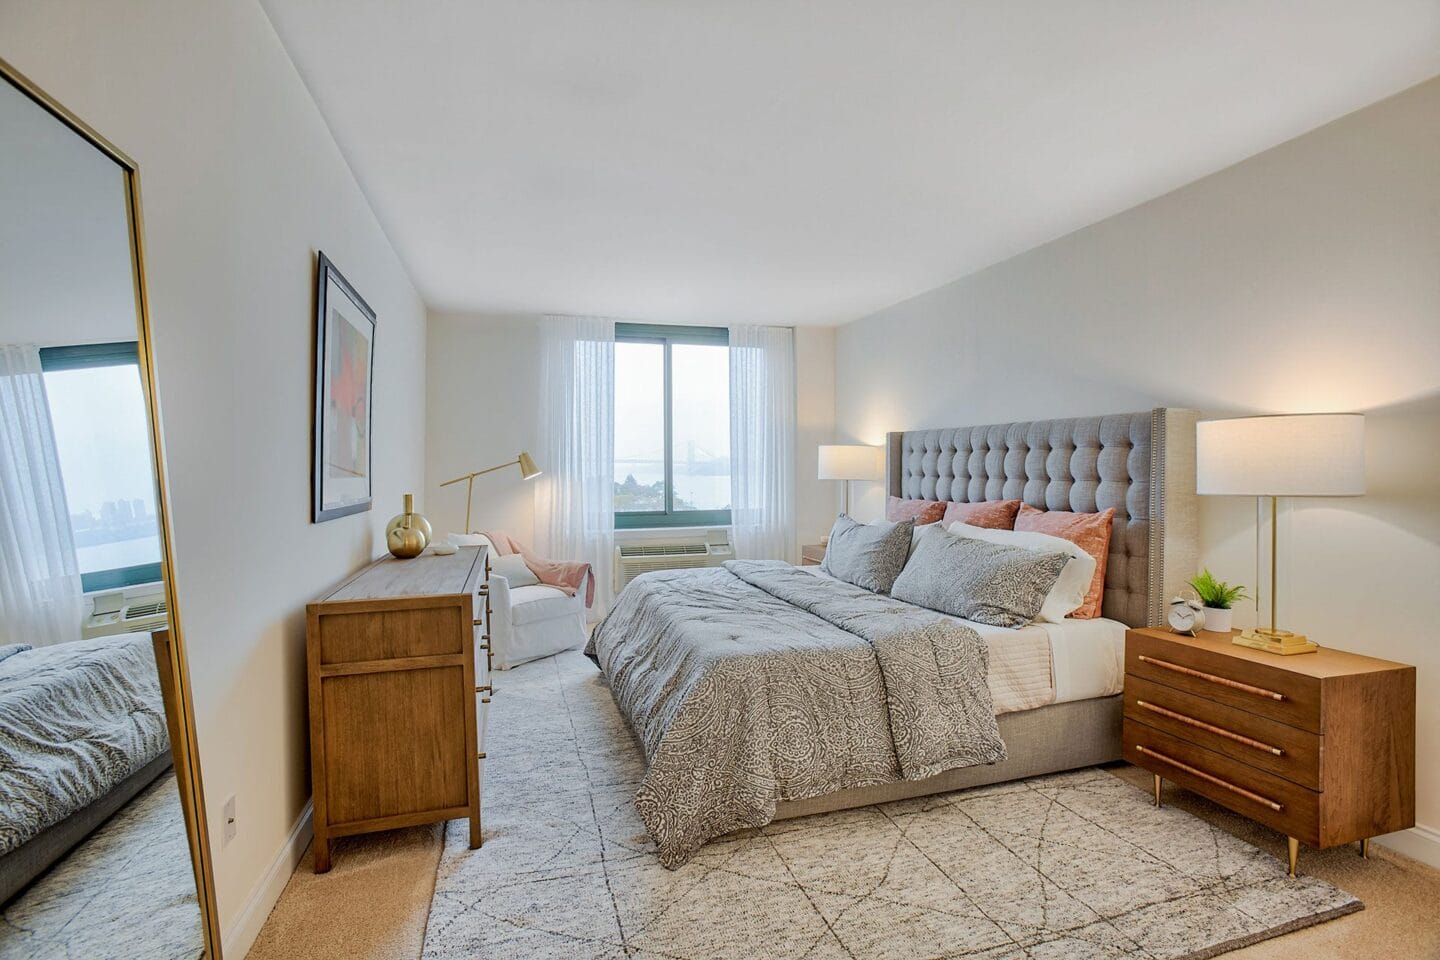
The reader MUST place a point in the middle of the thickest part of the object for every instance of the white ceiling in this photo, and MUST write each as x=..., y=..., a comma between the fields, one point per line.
x=803, y=162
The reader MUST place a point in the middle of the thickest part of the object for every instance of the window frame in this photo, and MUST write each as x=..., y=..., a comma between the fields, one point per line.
x=83, y=356
x=667, y=336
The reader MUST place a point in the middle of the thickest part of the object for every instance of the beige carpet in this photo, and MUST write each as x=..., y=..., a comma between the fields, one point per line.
x=372, y=903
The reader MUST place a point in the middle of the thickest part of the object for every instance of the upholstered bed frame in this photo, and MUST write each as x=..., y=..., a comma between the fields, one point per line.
x=1143, y=465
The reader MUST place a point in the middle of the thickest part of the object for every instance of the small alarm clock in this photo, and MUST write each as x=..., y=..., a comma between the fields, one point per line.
x=1187, y=615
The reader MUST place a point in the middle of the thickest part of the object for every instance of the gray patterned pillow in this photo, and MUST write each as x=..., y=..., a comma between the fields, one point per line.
x=992, y=583
x=869, y=555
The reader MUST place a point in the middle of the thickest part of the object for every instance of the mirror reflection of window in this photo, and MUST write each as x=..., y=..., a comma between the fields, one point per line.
x=97, y=410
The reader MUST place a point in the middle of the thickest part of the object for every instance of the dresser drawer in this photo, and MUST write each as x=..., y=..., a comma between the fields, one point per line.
x=1271, y=692
x=1261, y=796
x=1268, y=744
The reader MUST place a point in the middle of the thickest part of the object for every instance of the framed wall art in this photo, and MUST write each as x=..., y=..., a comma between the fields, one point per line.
x=344, y=380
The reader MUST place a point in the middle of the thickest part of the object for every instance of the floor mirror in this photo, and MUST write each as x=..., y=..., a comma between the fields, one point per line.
x=102, y=846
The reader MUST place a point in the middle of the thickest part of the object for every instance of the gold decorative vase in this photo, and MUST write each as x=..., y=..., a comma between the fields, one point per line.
x=408, y=534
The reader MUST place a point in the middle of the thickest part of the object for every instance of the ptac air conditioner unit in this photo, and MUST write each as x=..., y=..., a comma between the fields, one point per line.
x=118, y=612
x=707, y=549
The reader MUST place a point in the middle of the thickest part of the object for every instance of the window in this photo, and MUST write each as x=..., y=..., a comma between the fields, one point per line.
x=102, y=435
x=672, y=426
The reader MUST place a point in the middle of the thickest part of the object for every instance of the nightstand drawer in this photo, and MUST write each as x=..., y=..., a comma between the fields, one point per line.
x=1273, y=692
x=1268, y=744
x=1263, y=797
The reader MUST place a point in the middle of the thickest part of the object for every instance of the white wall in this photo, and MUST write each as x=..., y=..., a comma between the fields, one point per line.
x=242, y=184
x=483, y=409
x=1304, y=279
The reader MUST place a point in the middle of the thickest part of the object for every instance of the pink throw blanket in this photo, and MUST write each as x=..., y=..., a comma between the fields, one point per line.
x=565, y=575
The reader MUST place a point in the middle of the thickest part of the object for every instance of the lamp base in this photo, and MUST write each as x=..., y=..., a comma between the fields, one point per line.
x=1280, y=642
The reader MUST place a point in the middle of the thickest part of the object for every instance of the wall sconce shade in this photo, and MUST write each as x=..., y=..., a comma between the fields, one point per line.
x=528, y=470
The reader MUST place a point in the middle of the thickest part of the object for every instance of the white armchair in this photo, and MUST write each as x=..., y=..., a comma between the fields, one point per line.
x=528, y=622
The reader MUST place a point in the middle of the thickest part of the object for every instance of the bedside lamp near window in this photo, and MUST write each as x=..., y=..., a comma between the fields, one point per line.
x=847, y=462
x=1304, y=455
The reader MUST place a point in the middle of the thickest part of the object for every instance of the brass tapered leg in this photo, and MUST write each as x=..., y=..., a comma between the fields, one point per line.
x=1365, y=848
x=1157, y=789
x=1294, y=854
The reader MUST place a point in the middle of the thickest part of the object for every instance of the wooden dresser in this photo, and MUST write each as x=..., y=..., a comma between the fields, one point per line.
x=1320, y=746
x=398, y=697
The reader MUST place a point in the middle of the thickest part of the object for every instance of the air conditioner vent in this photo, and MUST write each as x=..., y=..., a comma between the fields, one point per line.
x=137, y=610
x=664, y=550
x=116, y=613
x=633, y=559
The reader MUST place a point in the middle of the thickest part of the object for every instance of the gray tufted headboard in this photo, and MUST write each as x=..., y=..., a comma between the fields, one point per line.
x=1142, y=464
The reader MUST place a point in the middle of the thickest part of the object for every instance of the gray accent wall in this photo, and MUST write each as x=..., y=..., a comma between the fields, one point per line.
x=1306, y=278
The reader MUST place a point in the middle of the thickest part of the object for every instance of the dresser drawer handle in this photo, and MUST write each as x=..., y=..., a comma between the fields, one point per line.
x=1210, y=778
x=1223, y=681
x=1202, y=725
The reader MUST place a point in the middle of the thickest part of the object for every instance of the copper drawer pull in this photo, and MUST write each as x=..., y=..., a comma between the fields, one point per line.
x=1211, y=728
x=1223, y=681
x=1210, y=778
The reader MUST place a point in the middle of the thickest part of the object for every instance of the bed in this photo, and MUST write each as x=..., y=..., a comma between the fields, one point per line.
x=82, y=730
x=761, y=691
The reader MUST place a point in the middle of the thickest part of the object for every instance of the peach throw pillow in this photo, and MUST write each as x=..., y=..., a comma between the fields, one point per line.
x=1089, y=531
x=921, y=511
x=991, y=514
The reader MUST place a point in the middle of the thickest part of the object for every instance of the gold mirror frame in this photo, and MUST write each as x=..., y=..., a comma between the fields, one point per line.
x=186, y=751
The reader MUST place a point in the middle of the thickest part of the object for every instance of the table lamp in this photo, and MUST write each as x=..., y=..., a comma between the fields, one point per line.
x=528, y=471
x=1302, y=455
x=847, y=462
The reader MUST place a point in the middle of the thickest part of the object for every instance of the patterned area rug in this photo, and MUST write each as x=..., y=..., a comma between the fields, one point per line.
x=125, y=892
x=1076, y=865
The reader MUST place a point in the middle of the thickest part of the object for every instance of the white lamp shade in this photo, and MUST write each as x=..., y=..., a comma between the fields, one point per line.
x=849, y=461
x=1305, y=455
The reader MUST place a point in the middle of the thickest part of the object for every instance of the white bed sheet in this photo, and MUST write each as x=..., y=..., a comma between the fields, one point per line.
x=1087, y=657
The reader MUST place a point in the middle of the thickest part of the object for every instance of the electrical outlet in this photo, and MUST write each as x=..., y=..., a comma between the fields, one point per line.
x=230, y=826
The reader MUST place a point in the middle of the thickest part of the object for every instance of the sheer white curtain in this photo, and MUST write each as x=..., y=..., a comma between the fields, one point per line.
x=575, y=496
x=40, y=601
x=762, y=442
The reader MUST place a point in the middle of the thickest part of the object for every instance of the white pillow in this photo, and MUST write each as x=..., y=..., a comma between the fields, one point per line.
x=512, y=567
x=1069, y=591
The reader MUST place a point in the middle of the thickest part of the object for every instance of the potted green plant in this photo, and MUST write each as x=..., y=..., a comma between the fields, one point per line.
x=1217, y=596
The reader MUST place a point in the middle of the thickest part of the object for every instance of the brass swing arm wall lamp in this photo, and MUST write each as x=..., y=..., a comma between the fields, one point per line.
x=528, y=471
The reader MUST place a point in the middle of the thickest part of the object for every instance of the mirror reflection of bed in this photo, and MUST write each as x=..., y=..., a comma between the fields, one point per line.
x=94, y=858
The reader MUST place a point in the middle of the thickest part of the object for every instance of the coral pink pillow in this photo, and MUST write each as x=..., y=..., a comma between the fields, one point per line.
x=1089, y=531
x=991, y=514
x=921, y=511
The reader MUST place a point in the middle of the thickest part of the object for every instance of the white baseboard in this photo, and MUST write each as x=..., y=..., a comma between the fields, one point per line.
x=1420, y=842
x=236, y=941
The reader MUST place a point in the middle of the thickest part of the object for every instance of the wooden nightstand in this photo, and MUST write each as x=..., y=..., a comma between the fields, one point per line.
x=811, y=554
x=1319, y=746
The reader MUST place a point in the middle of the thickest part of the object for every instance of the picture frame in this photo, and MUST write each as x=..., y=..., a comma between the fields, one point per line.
x=341, y=467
